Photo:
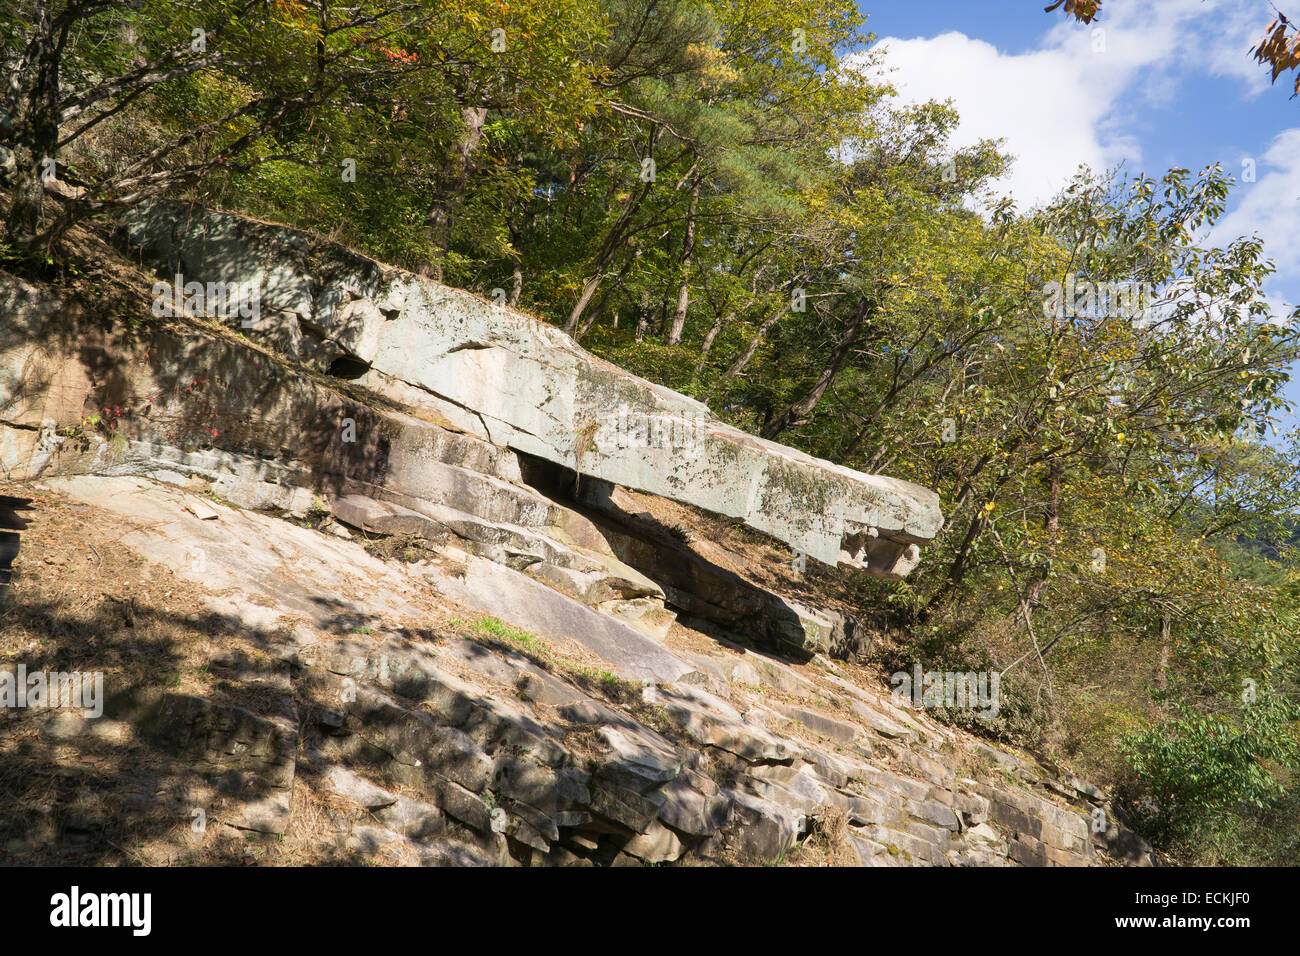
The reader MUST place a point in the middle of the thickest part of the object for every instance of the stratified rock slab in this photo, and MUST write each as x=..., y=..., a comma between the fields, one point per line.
x=526, y=385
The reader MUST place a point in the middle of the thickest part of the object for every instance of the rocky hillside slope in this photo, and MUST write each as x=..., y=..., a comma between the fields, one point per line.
x=392, y=574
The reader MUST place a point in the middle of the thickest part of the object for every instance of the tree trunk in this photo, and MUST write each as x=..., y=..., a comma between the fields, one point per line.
x=36, y=101
x=588, y=290
x=618, y=234
x=516, y=283
x=1162, y=676
x=442, y=213
x=1052, y=524
x=799, y=410
x=688, y=249
x=707, y=345
x=599, y=310
x=738, y=366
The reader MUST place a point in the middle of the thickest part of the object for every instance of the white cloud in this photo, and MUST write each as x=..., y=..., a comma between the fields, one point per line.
x=1038, y=102
x=1270, y=206
x=1071, y=100
x=1239, y=31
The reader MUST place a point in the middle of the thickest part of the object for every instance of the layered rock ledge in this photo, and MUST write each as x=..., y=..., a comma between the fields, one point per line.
x=518, y=383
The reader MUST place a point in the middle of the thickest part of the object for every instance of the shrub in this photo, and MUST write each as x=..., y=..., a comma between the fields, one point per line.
x=1193, y=768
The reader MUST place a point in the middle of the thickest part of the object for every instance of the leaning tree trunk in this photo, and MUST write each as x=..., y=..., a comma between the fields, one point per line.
x=801, y=409
x=618, y=234
x=610, y=289
x=747, y=356
x=707, y=345
x=584, y=299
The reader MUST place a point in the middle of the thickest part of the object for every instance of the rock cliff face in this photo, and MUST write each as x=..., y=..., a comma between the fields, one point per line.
x=443, y=617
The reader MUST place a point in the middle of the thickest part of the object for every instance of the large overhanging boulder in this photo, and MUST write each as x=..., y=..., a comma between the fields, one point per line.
x=522, y=384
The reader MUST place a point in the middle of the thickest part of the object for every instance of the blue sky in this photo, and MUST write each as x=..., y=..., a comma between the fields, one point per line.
x=1152, y=84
